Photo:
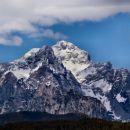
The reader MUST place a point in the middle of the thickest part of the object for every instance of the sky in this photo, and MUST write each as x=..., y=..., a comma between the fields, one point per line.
x=101, y=27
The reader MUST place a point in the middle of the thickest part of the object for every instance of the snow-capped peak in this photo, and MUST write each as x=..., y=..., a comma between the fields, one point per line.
x=26, y=55
x=40, y=69
x=18, y=70
x=73, y=58
x=64, y=44
x=31, y=52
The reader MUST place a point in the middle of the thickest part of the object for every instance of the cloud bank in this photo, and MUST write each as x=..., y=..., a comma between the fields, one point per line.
x=22, y=15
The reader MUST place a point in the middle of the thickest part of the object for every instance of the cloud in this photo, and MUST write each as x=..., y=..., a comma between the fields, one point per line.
x=22, y=15
x=9, y=41
x=54, y=35
x=48, y=33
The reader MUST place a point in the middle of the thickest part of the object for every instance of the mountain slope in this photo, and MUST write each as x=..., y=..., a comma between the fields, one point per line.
x=40, y=82
x=63, y=79
x=98, y=80
x=73, y=58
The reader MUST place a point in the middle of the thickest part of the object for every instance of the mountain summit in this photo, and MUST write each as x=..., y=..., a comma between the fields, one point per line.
x=62, y=79
x=98, y=80
x=39, y=82
x=72, y=57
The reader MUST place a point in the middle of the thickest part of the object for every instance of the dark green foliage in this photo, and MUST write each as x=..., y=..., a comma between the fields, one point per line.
x=45, y=121
x=36, y=117
x=83, y=124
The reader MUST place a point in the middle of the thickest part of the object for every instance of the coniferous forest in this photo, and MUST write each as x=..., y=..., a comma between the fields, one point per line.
x=83, y=124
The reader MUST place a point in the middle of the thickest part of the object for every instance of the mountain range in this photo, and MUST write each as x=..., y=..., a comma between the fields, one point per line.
x=63, y=79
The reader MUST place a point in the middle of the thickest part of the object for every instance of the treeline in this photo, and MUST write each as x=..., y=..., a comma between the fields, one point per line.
x=83, y=124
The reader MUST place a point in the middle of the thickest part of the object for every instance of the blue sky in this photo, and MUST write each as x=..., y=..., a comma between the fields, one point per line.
x=106, y=37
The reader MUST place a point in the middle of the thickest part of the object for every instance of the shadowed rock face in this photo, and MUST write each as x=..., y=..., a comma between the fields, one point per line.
x=111, y=85
x=98, y=80
x=63, y=79
x=40, y=82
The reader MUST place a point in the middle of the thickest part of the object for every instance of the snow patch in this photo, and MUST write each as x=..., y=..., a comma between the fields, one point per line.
x=115, y=116
x=21, y=73
x=73, y=58
x=27, y=55
x=74, y=67
x=36, y=68
x=104, y=100
x=81, y=76
x=31, y=52
x=120, y=99
x=103, y=85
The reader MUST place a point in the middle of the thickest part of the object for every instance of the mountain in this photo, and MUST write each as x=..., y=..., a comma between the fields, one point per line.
x=73, y=58
x=38, y=81
x=98, y=80
x=63, y=79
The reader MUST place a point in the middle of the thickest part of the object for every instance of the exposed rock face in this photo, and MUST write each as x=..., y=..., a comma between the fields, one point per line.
x=73, y=58
x=40, y=82
x=111, y=87
x=100, y=81
x=63, y=79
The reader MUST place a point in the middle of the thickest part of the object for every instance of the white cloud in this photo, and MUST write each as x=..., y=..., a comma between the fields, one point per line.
x=54, y=35
x=48, y=33
x=16, y=25
x=18, y=15
x=9, y=41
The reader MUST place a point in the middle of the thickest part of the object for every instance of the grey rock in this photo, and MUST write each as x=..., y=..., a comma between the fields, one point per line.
x=40, y=82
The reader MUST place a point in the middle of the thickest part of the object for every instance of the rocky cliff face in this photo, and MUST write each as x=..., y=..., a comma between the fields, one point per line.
x=73, y=58
x=39, y=82
x=62, y=79
x=98, y=80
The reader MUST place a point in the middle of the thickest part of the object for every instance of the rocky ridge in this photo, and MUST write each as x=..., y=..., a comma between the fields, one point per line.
x=39, y=82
